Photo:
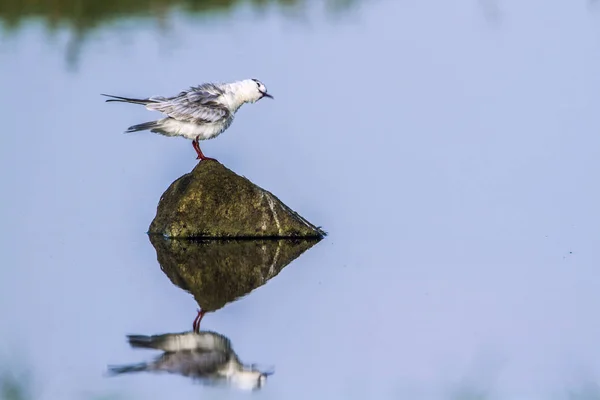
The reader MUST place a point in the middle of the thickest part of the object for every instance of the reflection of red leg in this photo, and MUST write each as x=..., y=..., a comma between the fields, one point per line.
x=199, y=317
x=201, y=156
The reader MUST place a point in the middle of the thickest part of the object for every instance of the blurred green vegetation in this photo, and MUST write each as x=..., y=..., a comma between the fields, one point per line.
x=585, y=390
x=17, y=384
x=87, y=14
x=13, y=388
x=81, y=17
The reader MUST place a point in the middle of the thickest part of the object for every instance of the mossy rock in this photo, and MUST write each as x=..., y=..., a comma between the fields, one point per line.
x=214, y=202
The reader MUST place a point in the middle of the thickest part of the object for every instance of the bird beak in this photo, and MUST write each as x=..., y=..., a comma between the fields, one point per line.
x=267, y=95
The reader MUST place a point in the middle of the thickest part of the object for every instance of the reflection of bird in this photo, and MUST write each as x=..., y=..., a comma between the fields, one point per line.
x=199, y=113
x=203, y=355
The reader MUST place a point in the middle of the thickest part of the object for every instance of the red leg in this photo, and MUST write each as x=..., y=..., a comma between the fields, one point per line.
x=196, y=324
x=201, y=156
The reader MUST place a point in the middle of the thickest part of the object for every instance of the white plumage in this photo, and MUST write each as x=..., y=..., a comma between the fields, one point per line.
x=199, y=113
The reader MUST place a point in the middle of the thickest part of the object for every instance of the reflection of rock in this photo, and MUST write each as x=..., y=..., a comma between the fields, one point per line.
x=214, y=202
x=217, y=272
x=203, y=355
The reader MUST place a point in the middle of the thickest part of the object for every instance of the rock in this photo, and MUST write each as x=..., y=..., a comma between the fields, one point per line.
x=214, y=202
x=217, y=272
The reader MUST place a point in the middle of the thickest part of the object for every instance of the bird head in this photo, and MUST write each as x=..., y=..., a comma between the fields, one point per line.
x=249, y=379
x=254, y=90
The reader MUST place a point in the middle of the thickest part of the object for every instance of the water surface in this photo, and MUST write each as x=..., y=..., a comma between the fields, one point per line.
x=450, y=149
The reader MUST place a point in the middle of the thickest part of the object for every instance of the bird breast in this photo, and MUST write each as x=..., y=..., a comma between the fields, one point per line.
x=192, y=131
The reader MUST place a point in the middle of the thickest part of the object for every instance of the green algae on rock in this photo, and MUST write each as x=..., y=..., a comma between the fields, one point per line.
x=217, y=272
x=214, y=202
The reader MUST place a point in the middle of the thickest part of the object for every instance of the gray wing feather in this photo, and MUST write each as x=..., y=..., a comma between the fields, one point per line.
x=200, y=105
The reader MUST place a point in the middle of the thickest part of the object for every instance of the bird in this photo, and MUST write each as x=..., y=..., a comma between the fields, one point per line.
x=199, y=113
x=204, y=355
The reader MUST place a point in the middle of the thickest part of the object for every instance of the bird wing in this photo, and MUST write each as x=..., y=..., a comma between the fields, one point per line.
x=173, y=342
x=199, y=105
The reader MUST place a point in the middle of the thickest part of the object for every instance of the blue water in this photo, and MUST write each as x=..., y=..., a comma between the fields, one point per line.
x=450, y=149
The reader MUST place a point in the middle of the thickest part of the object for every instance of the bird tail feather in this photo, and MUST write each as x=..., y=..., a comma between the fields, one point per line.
x=125, y=369
x=142, y=127
x=127, y=99
x=144, y=342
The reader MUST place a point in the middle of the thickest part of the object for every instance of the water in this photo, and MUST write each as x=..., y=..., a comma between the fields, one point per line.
x=450, y=149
